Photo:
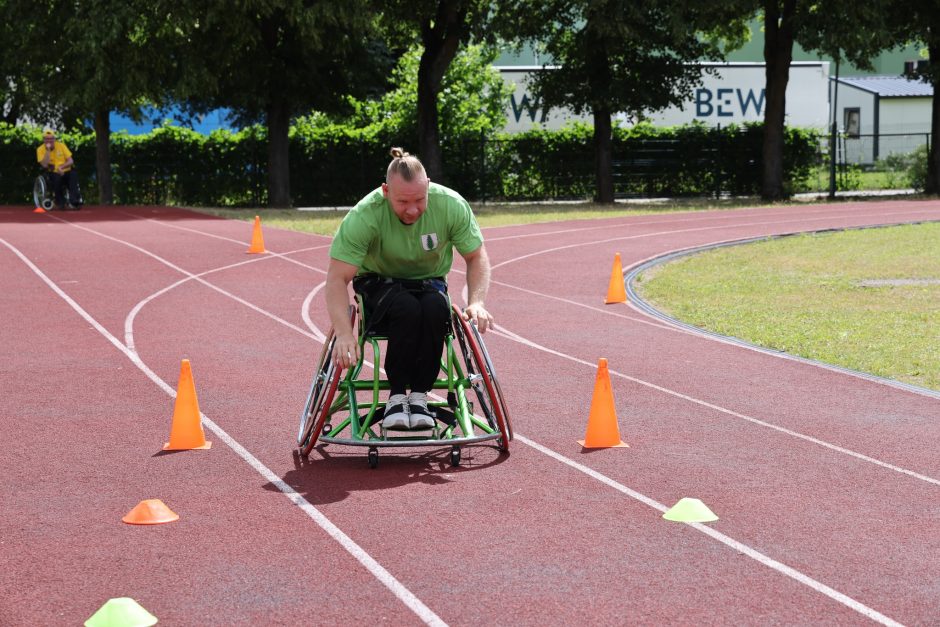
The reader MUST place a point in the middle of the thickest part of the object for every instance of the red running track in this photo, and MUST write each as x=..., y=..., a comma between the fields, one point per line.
x=826, y=484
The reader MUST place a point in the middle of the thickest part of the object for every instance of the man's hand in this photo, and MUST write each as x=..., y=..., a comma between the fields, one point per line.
x=478, y=283
x=345, y=351
x=346, y=348
x=479, y=316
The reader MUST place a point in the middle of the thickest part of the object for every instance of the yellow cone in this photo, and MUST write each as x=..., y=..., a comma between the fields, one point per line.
x=121, y=612
x=690, y=510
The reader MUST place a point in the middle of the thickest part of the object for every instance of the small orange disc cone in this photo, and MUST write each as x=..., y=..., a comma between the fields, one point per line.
x=616, y=292
x=186, y=432
x=150, y=512
x=39, y=210
x=602, y=429
x=257, y=239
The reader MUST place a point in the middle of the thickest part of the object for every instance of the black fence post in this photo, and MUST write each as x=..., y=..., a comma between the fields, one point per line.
x=482, y=167
x=717, y=133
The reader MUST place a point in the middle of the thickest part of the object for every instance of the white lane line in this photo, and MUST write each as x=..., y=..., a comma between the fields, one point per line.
x=636, y=220
x=501, y=330
x=623, y=238
x=283, y=256
x=377, y=570
x=867, y=612
x=129, y=320
x=769, y=562
x=305, y=312
x=380, y=573
x=197, y=277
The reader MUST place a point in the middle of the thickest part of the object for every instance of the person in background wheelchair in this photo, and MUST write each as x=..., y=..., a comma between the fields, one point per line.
x=396, y=247
x=56, y=158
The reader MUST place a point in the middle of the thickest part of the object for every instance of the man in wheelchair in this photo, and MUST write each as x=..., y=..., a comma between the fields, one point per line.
x=396, y=247
x=56, y=159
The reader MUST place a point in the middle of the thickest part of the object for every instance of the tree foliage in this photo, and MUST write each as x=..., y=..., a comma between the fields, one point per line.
x=442, y=27
x=472, y=99
x=271, y=60
x=634, y=56
x=843, y=29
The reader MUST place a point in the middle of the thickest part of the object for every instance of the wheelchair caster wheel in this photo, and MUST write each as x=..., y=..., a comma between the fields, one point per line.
x=455, y=456
x=373, y=457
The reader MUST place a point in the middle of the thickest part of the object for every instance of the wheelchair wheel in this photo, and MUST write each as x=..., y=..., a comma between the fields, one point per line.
x=42, y=195
x=482, y=377
x=323, y=389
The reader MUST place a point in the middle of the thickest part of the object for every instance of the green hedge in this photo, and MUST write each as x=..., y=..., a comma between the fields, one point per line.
x=332, y=165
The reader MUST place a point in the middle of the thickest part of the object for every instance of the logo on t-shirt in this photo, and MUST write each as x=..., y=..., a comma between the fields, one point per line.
x=429, y=241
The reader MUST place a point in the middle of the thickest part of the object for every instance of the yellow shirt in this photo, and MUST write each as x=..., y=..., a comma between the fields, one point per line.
x=59, y=154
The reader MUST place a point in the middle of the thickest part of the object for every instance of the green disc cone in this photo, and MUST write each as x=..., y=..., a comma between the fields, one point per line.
x=690, y=510
x=121, y=612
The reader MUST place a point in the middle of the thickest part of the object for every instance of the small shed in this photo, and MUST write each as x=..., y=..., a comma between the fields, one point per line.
x=881, y=115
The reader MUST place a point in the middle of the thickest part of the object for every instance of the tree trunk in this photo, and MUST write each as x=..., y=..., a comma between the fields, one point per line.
x=441, y=38
x=778, y=53
x=603, y=151
x=932, y=184
x=278, y=154
x=103, y=156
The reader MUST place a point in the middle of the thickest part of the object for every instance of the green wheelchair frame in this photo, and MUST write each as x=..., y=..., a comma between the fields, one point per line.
x=345, y=409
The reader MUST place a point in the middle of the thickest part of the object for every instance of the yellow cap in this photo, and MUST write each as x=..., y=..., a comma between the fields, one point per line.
x=48, y=132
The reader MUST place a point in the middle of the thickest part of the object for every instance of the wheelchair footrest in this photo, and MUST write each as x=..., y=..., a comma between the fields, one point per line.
x=423, y=433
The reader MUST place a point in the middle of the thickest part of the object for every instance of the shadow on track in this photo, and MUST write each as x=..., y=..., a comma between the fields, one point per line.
x=333, y=476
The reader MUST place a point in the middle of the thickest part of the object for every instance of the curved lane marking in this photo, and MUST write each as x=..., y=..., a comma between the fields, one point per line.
x=386, y=578
x=377, y=570
x=675, y=231
x=757, y=421
x=129, y=320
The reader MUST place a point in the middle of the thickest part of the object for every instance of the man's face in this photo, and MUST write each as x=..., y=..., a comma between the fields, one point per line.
x=408, y=199
x=49, y=141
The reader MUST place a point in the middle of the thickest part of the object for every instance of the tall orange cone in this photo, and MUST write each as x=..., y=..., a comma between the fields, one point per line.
x=186, y=432
x=257, y=240
x=602, y=430
x=150, y=512
x=616, y=293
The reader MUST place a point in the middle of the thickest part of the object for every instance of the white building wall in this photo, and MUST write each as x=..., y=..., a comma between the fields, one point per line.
x=734, y=94
x=905, y=115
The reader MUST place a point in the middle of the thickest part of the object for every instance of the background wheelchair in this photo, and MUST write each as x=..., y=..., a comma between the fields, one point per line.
x=345, y=409
x=44, y=194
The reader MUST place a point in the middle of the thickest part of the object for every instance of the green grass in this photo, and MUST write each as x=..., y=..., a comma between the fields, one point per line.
x=807, y=295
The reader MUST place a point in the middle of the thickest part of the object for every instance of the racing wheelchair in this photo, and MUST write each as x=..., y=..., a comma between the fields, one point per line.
x=44, y=194
x=345, y=409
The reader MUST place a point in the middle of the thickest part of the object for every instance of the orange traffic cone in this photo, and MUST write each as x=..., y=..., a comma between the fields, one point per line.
x=39, y=210
x=602, y=430
x=150, y=512
x=186, y=431
x=257, y=240
x=616, y=293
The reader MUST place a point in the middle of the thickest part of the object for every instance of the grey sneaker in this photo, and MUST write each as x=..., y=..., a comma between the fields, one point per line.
x=418, y=409
x=396, y=412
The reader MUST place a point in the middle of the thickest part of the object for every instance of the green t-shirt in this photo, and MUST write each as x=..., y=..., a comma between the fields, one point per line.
x=372, y=237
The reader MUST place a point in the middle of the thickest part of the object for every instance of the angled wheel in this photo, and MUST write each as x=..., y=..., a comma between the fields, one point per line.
x=482, y=377
x=322, y=390
x=42, y=195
